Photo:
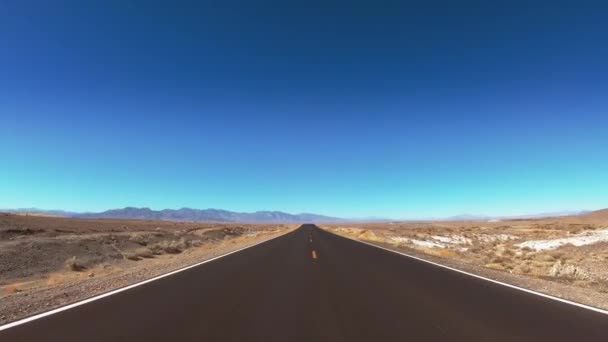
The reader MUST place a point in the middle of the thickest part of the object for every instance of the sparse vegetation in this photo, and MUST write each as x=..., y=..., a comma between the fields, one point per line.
x=501, y=246
x=58, y=257
x=139, y=253
x=74, y=265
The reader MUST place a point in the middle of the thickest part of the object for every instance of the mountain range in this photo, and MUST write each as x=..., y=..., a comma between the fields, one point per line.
x=188, y=214
x=220, y=215
x=217, y=215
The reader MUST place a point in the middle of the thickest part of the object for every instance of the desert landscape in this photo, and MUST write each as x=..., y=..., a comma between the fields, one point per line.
x=48, y=261
x=562, y=256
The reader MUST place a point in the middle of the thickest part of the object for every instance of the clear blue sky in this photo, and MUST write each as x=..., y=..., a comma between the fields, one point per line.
x=380, y=108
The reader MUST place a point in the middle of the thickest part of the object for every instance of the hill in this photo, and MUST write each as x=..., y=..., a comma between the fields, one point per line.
x=208, y=215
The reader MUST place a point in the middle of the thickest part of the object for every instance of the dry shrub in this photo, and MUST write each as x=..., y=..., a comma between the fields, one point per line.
x=74, y=265
x=144, y=252
x=475, y=249
x=557, y=255
x=495, y=266
x=499, y=260
x=139, y=239
x=132, y=256
x=522, y=268
x=171, y=247
x=196, y=243
x=526, y=256
x=439, y=252
x=139, y=253
x=508, y=252
x=545, y=257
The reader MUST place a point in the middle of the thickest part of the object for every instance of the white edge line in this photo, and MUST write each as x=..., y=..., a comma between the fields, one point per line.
x=584, y=306
x=113, y=292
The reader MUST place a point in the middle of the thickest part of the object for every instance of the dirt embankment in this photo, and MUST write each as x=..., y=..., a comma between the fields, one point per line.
x=566, y=257
x=46, y=261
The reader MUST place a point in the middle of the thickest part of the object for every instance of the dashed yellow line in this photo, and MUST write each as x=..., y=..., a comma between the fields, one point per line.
x=314, y=255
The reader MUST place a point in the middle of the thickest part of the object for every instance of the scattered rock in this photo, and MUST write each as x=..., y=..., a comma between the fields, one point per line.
x=567, y=271
x=53, y=249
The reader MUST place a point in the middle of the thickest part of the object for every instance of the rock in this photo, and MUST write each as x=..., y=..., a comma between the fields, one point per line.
x=91, y=275
x=567, y=271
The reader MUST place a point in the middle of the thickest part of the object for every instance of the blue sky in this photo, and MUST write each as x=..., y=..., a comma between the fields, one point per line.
x=392, y=108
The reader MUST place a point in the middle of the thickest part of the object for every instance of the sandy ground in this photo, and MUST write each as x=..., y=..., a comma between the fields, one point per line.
x=566, y=256
x=46, y=262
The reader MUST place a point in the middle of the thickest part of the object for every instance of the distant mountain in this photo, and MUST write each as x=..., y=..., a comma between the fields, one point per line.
x=597, y=214
x=466, y=217
x=469, y=217
x=38, y=212
x=553, y=214
x=215, y=215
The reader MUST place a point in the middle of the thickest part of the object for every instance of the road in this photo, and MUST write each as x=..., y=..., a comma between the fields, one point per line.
x=345, y=291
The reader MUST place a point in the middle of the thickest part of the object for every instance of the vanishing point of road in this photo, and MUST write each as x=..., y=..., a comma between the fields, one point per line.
x=310, y=285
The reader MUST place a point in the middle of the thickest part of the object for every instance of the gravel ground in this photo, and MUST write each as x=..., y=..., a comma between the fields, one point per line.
x=81, y=285
x=561, y=290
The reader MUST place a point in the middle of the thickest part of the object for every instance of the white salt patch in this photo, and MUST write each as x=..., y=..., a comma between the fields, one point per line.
x=429, y=244
x=421, y=243
x=496, y=237
x=582, y=239
x=454, y=239
x=399, y=239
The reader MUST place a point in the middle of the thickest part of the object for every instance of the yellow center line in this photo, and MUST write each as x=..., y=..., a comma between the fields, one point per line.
x=314, y=254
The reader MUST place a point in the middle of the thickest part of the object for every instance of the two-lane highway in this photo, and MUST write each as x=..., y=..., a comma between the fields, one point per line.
x=310, y=285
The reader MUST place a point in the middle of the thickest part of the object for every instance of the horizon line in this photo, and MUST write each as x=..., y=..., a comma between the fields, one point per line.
x=462, y=216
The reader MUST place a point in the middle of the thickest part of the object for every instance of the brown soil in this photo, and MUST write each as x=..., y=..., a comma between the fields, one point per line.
x=492, y=248
x=50, y=261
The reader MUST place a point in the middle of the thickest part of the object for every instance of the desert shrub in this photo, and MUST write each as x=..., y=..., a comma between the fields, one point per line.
x=558, y=255
x=156, y=248
x=171, y=247
x=74, y=265
x=526, y=256
x=131, y=256
x=144, y=252
x=499, y=260
x=508, y=252
x=137, y=254
x=476, y=249
x=546, y=257
x=139, y=239
x=196, y=243
x=522, y=268
x=495, y=266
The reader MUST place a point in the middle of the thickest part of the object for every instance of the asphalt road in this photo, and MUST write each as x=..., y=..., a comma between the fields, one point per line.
x=278, y=291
